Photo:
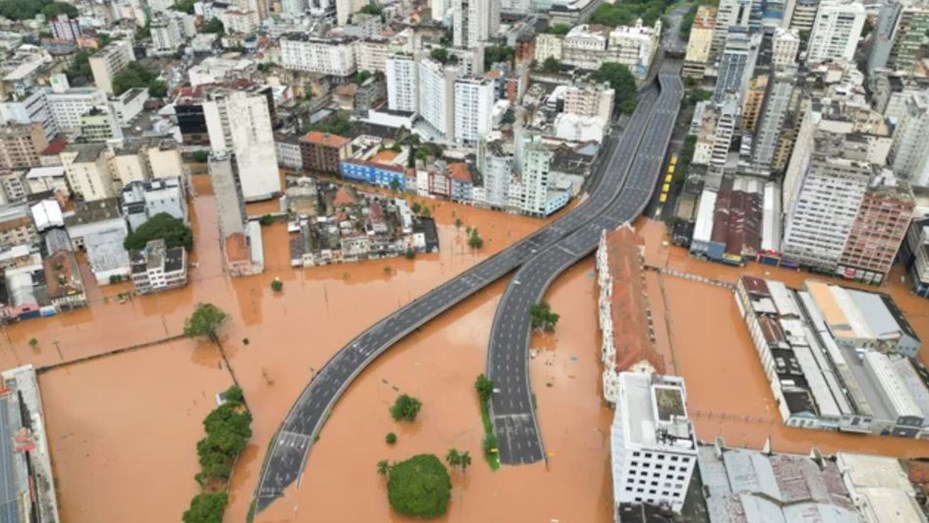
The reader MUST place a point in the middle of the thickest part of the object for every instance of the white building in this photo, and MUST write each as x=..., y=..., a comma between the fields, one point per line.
x=170, y=31
x=371, y=54
x=474, y=102
x=785, y=47
x=345, y=8
x=333, y=56
x=592, y=100
x=548, y=46
x=909, y=152
x=68, y=106
x=87, y=168
x=496, y=167
x=157, y=268
x=836, y=31
x=128, y=105
x=437, y=96
x=31, y=108
x=109, y=61
x=239, y=123
x=142, y=200
x=588, y=47
x=402, y=83
x=653, y=447
x=474, y=22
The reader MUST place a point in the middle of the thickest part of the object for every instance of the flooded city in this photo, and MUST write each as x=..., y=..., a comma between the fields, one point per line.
x=142, y=425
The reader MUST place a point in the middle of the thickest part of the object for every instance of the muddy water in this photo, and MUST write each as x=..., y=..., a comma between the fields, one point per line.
x=439, y=365
x=728, y=393
x=122, y=431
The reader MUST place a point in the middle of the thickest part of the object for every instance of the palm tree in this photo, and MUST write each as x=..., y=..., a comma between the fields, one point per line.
x=453, y=458
x=382, y=467
x=464, y=460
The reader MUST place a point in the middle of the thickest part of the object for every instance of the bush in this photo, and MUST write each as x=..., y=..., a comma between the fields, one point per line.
x=484, y=387
x=419, y=487
x=410, y=254
x=405, y=408
x=162, y=226
x=266, y=220
x=391, y=438
x=201, y=156
x=206, y=508
x=277, y=285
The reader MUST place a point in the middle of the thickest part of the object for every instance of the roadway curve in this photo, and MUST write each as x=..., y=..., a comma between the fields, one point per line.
x=512, y=409
x=291, y=445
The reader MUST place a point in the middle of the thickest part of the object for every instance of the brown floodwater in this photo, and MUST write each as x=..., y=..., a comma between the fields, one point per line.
x=134, y=419
x=728, y=393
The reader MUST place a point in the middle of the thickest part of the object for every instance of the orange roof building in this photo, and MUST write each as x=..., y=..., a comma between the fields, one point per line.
x=624, y=315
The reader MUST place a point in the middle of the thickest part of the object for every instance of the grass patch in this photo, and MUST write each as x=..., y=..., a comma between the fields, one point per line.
x=490, y=454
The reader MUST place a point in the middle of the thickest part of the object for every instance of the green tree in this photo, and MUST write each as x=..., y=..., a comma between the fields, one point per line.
x=135, y=75
x=361, y=76
x=497, y=53
x=458, y=223
x=33, y=343
x=184, y=6
x=383, y=467
x=162, y=226
x=201, y=156
x=204, y=321
x=416, y=208
x=464, y=460
x=439, y=54
x=551, y=65
x=54, y=9
x=391, y=438
x=419, y=487
x=484, y=387
x=474, y=240
x=79, y=72
x=426, y=212
x=234, y=395
x=542, y=317
x=277, y=285
x=207, y=507
x=395, y=184
x=623, y=83
x=157, y=89
x=405, y=408
x=453, y=457
x=371, y=9
x=213, y=25
x=558, y=29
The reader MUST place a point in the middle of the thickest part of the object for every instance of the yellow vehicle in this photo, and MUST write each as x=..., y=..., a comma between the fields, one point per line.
x=673, y=159
x=663, y=198
x=666, y=188
x=667, y=179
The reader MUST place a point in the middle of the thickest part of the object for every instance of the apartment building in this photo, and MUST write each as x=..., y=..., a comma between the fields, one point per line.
x=20, y=145
x=104, y=64
x=700, y=43
x=878, y=230
x=785, y=46
x=16, y=226
x=474, y=22
x=474, y=102
x=331, y=56
x=653, y=446
x=588, y=47
x=68, y=104
x=324, y=152
x=729, y=13
x=773, y=118
x=371, y=54
x=909, y=153
x=736, y=63
x=915, y=255
x=836, y=31
x=899, y=37
x=402, y=74
x=87, y=169
x=591, y=100
x=548, y=46
x=496, y=167
x=239, y=123
x=157, y=268
x=65, y=28
x=31, y=107
x=142, y=200
x=437, y=96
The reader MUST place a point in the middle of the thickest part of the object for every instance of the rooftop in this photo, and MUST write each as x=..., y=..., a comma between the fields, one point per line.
x=326, y=139
x=653, y=412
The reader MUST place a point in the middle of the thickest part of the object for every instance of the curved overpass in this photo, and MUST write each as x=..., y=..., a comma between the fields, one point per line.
x=287, y=455
x=512, y=410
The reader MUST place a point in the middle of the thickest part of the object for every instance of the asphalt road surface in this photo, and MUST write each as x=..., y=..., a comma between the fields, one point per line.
x=288, y=452
x=641, y=156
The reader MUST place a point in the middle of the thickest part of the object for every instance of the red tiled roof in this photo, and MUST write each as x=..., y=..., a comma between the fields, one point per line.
x=630, y=314
x=55, y=147
x=343, y=197
x=327, y=139
x=459, y=171
x=236, y=248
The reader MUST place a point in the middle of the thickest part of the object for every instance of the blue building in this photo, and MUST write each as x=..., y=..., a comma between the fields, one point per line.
x=373, y=173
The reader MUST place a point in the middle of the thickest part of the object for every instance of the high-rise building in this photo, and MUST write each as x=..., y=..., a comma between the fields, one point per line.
x=437, y=96
x=474, y=103
x=785, y=46
x=239, y=123
x=294, y=7
x=68, y=106
x=64, y=28
x=899, y=36
x=535, y=193
x=836, y=31
x=730, y=13
x=700, y=43
x=32, y=107
x=496, y=167
x=736, y=63
x=878, y=230
x=87, y=169
x=591, y=100
x=754, y=99
x=472, y=22
x=653, y=447
x=332, y=56
x=402, y=74
x=345, y=8
x=20, y=145
x=829, y=193
x=109, y=61
x=803, y=16
x=323, y=152
x=909, y=153
x=773, y=117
